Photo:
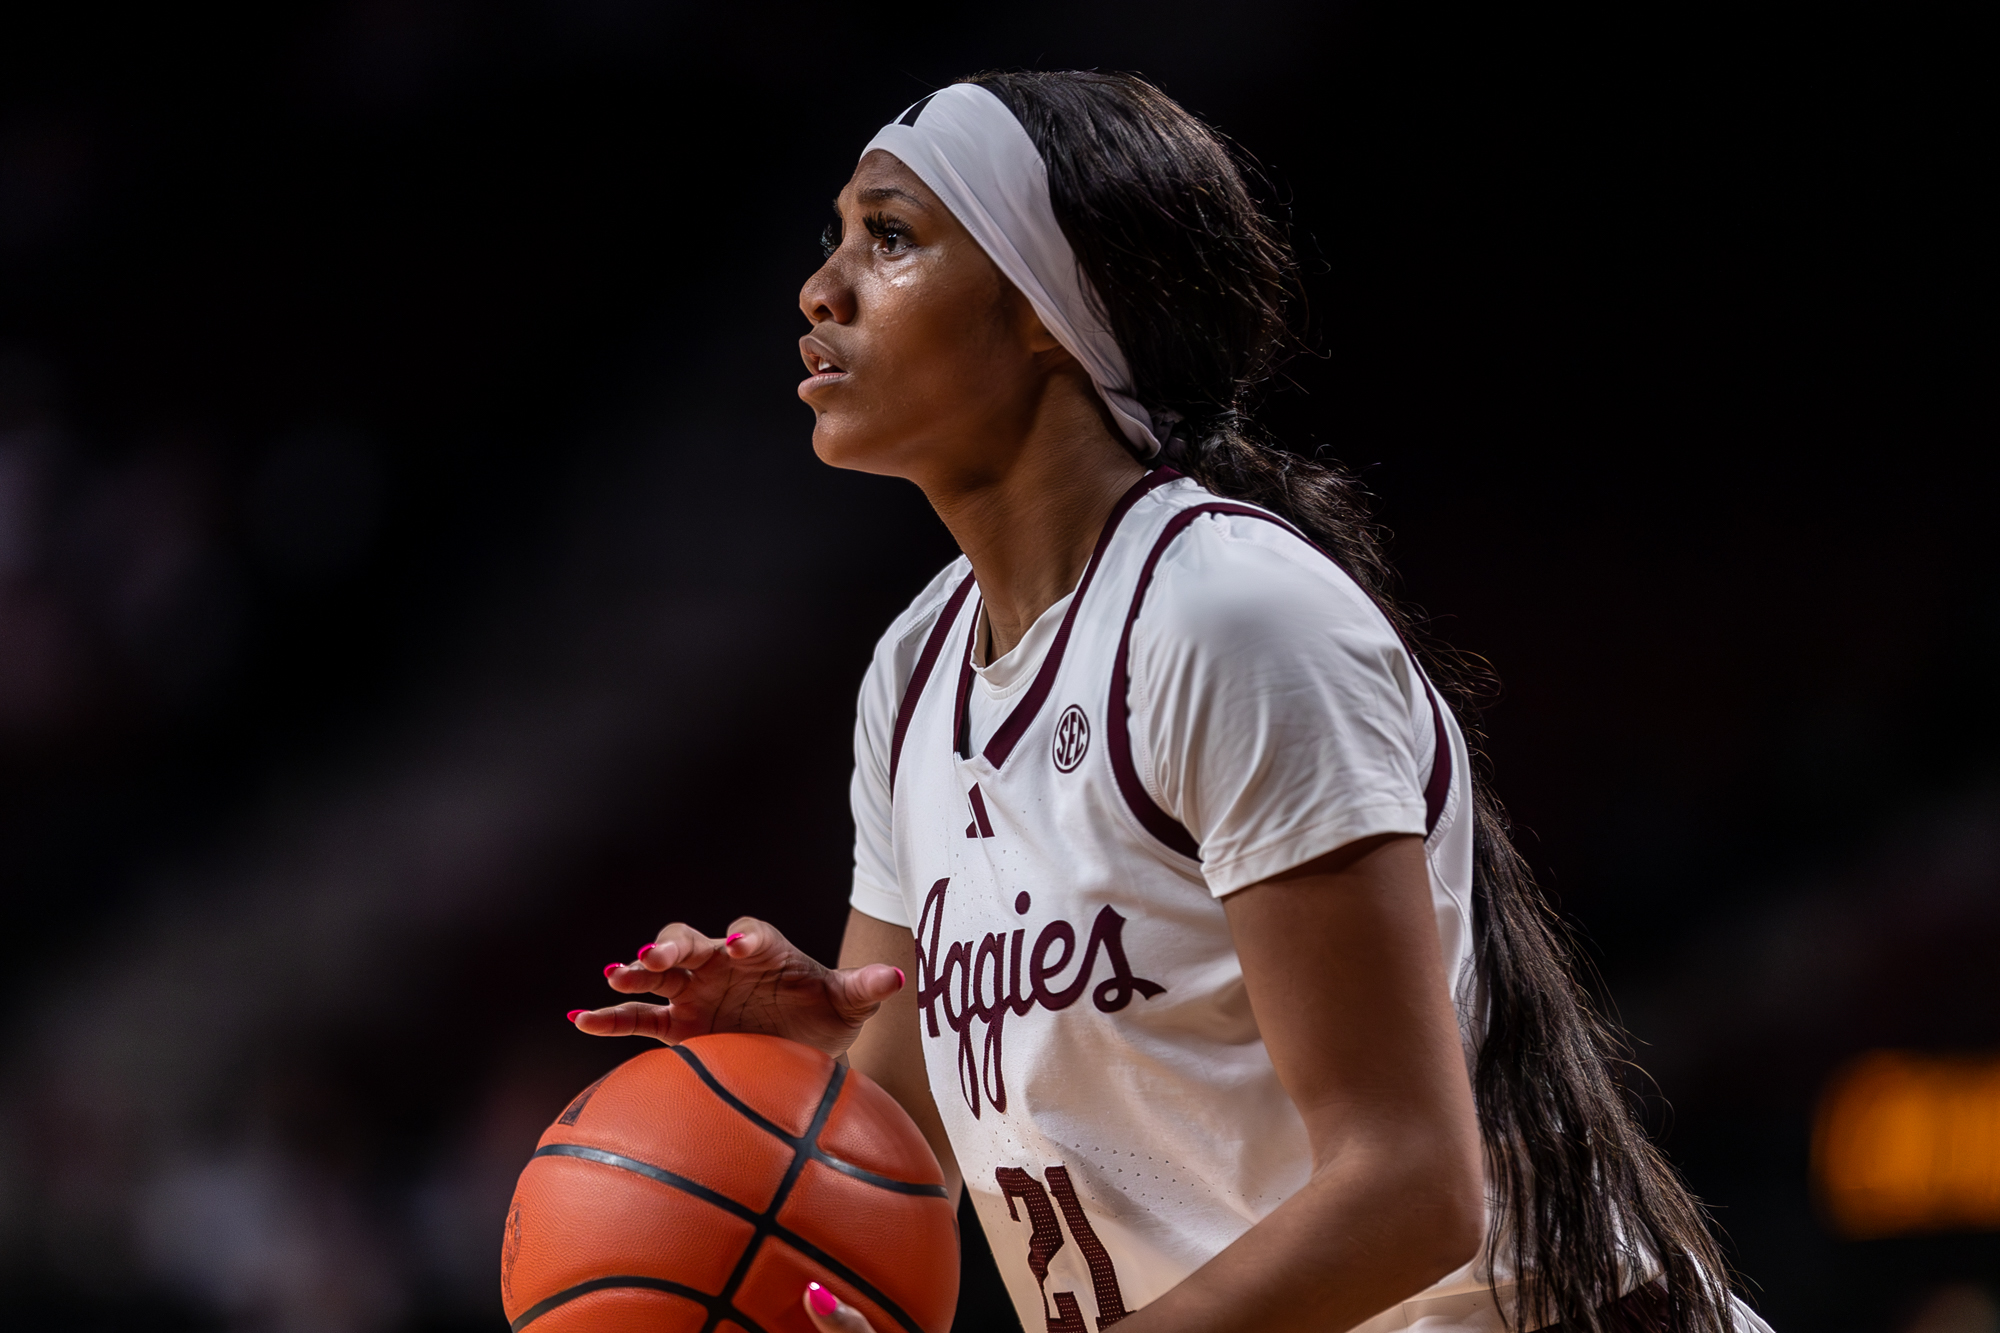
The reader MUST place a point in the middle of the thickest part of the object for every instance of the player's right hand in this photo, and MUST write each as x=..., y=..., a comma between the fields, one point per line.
x=751, y=980
x=830, y=1314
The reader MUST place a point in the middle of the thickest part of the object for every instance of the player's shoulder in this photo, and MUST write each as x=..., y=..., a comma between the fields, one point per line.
x=1247, y=569
x=917, y=618
x=896, y=651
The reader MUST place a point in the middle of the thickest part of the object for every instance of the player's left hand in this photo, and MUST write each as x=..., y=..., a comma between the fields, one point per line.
x=754, y=980
x=830, y=1314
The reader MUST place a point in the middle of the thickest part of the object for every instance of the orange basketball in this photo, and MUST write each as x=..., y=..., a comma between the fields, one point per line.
x=698, y=1189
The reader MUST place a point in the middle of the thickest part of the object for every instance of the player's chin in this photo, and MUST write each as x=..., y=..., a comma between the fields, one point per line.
x=846, y=440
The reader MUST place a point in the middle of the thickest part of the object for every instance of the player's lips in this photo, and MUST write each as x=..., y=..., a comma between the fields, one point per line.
x=822, y=366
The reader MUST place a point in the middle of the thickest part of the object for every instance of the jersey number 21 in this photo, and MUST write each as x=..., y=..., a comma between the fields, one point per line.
x=1045, y=1237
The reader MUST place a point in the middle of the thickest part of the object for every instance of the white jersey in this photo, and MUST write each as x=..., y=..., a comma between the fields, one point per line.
x=1216, y=702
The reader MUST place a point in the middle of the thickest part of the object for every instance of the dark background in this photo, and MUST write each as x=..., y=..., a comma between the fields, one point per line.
x=416, y=584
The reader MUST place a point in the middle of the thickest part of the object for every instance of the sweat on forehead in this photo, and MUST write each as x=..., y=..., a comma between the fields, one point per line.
x=965, y=144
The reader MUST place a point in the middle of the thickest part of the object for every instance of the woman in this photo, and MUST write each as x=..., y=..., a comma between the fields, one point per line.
x=1179, y=922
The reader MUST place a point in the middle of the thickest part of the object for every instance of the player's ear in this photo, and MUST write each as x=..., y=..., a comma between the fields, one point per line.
x=1018, y=310
x=1039, y=337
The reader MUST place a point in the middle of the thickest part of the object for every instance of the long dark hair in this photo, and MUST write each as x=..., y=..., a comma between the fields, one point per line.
x=1196, y=283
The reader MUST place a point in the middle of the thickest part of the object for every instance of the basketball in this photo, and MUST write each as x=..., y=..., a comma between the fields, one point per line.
x=700, y=1187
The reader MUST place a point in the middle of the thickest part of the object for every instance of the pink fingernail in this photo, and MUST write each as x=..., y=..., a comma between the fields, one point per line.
x=574, y=1012
x=609, y=968
x=732, y=939
x=823, y=1302
x=900, y=980
x=645, y=949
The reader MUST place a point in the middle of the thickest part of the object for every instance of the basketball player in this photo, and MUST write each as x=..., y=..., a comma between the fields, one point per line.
x=1180, y=921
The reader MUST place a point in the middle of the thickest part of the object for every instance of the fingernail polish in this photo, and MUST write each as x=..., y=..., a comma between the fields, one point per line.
x=901, y=980
x=823, y=1302
x=645, y=949
x=574, y=1012
x=732, y=939
x=609, y=968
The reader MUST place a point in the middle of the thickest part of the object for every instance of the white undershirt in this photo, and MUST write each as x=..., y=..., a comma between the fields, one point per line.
x=996, y=686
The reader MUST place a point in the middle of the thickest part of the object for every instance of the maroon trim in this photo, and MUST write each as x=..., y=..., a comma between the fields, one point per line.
x=961, y=708
x=1158, y=822
x=1016, y=725
x=926, y=660
x=979, y=818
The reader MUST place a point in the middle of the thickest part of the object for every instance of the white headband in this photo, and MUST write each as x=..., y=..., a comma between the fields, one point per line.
x=965, y=144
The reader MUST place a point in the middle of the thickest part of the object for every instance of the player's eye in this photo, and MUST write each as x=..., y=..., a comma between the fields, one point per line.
x=892, y=233
x=829, y=239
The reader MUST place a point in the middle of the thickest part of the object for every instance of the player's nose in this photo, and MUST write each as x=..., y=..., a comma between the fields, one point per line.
x=827, y=295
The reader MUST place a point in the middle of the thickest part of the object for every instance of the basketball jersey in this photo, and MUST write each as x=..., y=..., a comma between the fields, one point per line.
x=1085, y=1027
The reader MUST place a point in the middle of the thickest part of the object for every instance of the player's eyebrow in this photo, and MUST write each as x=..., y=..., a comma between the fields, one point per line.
x=881, y=194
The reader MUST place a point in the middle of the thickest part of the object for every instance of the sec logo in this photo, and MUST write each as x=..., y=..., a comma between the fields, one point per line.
x=1072, y=739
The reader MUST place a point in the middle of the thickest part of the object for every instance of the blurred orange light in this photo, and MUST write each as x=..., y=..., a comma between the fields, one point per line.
x=1910, y=1143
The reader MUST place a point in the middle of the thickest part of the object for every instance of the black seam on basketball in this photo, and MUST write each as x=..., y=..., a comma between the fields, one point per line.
x=651, y=1172
x=813, y=1149
x=803, y=1150
x=564, y=1297
x=767, y=1221
x=811, y=1140
x=862, y=1173
x=806, y=1247
x=846, y=1274
x=736, y=1103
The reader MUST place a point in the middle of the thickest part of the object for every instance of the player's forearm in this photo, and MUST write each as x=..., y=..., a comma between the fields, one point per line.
x=888, y=1048
x=1386, y=1217
x=878, y=1054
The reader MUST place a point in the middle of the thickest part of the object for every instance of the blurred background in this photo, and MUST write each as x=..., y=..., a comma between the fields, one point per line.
x=416, y=585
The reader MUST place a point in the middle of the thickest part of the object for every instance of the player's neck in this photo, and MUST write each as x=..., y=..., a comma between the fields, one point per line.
x=1029, y=528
